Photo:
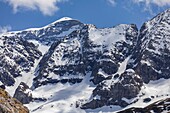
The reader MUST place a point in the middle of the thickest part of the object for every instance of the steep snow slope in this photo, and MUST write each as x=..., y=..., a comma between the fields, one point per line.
x=155, y=90
x=62, y=97
x=27, y=77
x=161, y=106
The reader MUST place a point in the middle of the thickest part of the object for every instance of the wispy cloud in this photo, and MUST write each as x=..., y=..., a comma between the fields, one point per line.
x=4, y=29
x=146, y=4
x=47, y=7
x=159, y=3
x=112, y=2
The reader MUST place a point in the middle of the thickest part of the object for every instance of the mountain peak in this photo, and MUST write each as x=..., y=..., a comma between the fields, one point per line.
x=62, y=19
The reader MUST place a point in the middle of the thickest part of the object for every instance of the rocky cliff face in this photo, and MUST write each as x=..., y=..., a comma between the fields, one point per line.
x=16, y=55
x=79, y=66
x=96, y=51
x=152, y=52
x=79, y=53
x=127, y=85
x=10, y=105
x=23, y=93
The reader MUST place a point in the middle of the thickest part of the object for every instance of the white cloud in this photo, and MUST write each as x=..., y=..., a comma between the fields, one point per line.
x=5, y=29
x=146, y=4
x=159, y=3
x=149, y=4
x=112, y=2
x=47, y=7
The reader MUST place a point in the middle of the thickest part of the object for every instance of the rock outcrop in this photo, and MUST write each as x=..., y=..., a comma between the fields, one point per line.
x=23, y=93
x=152, y=54
x=16, y=55
x=116, y=90
x=10, y=105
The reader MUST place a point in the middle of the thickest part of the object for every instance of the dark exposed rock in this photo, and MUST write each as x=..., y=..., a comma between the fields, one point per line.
x=23, y=93
x=128, y=86
x=63, y=81
x=2, y=87
x=17, y=55
x=107, y=66
x=147, y=100
x=39, y=99
x=152, y=51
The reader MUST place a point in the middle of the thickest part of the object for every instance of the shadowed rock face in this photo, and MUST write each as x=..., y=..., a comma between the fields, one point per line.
x=152, y=55
x=127, y=86
x=107, y=66
x=16, y=55
x=10, y=105
x=23, y=93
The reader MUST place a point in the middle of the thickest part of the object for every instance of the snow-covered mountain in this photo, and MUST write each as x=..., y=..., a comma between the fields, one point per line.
x=71, y=67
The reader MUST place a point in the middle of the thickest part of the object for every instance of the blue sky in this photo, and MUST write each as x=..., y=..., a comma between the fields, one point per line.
x=22, y=14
